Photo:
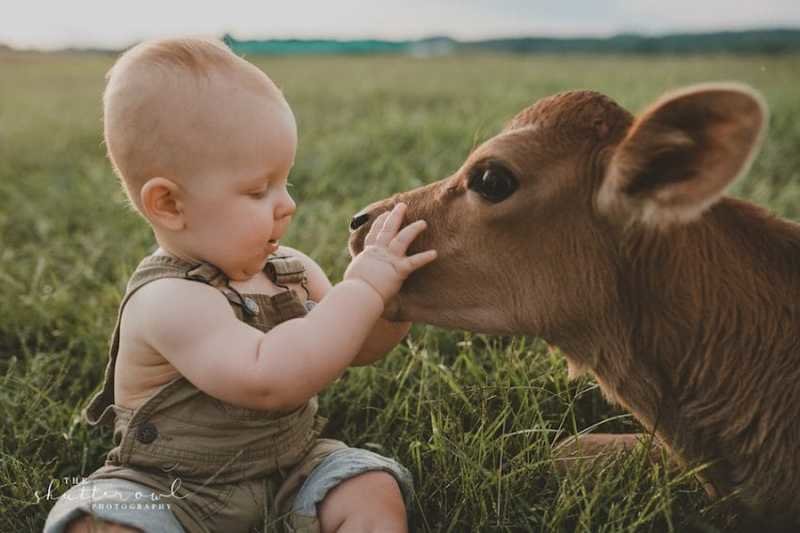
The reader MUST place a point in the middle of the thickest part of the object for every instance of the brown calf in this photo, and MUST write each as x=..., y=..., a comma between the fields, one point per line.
x=608, y=235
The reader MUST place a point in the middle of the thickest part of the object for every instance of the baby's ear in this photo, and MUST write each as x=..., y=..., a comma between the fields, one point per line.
x=161, y=203
x=682, y=153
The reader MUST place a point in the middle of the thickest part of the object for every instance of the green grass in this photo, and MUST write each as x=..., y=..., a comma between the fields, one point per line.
x=473, y=417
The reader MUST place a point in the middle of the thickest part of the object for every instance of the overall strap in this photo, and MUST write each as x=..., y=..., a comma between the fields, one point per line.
x=285, y=269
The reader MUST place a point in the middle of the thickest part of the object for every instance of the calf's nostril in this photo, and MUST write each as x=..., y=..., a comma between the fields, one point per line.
x=358, y=221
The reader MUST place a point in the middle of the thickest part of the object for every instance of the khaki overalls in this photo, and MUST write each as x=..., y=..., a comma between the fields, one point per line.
x=221, y=467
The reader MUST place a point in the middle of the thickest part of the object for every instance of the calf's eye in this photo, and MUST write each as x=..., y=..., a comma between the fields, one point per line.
x=494, y=183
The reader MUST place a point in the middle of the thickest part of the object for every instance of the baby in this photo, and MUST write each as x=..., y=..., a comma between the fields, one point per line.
x=219, y=349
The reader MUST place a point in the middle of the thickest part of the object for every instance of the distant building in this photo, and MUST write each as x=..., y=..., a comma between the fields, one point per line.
x=433, y=46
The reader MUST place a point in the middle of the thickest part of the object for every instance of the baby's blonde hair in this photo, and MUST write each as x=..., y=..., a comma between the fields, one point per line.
x=138, y=129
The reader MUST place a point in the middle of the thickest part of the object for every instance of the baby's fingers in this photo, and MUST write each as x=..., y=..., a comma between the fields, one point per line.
x=403, y=239
x=391, y=224
x=375, y=229
x=413, y=262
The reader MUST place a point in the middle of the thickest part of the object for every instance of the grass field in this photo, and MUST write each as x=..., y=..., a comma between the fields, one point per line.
x=472, y=417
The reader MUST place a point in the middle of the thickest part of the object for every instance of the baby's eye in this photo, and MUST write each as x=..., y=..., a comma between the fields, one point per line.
x=259, y=194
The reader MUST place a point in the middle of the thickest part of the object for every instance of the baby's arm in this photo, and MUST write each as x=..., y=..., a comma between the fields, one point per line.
x=193, y=327
x=384, y=335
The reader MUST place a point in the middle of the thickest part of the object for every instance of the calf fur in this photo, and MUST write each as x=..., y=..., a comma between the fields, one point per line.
x=609, y=236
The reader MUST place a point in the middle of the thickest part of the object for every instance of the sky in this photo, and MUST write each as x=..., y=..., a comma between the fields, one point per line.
x=115, y=24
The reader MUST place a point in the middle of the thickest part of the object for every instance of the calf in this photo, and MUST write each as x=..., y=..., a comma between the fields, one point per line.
x=609, y=236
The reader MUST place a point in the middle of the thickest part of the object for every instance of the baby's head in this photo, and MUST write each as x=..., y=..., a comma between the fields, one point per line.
x=203, y=143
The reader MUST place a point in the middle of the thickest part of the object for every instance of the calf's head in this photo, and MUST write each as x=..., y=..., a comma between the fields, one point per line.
x=528, y=231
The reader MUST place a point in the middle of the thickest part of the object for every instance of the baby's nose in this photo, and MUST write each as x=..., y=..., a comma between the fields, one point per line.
x=286, y=209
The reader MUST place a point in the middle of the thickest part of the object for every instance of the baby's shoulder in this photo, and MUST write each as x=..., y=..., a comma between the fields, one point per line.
x=161, y=290
x=173, y=300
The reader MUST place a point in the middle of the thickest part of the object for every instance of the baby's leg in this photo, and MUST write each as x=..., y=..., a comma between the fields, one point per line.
x=88, y=523
x=367, y=503
x=349, y=490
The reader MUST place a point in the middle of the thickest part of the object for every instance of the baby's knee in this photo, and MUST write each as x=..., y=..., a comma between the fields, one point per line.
x=387, y=488
x=89, y=524
x=369, y=502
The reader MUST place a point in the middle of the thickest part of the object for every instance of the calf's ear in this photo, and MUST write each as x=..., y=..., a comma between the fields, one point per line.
x=682, y=152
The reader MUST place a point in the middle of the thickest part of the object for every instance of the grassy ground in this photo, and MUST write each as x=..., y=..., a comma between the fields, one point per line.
x=473, y=417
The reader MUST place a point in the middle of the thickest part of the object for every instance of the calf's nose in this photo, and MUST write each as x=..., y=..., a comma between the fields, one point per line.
x=359, y=220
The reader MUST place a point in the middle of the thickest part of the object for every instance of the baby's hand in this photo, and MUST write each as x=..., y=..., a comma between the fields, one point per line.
x=383, y=263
